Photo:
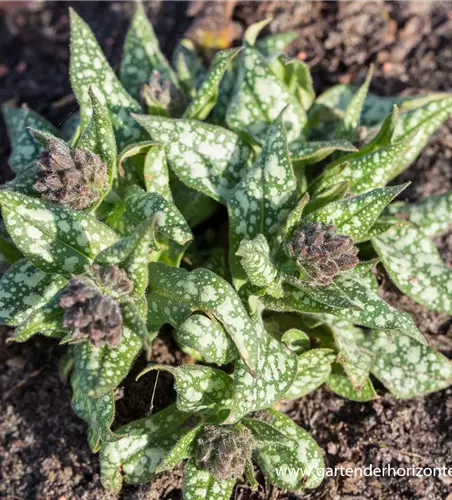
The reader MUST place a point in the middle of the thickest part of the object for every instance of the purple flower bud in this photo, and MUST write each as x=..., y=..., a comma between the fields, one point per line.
x=90, y=314
x=70, y=177
x=112, y=279
x=321, y=252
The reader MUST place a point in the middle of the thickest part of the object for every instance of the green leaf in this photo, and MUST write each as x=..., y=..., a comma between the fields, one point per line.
x=205, y=157
x=155, y=172
x=207, y=95
x=196, y=207
x=144, y=444
x=262, y=201
x=199, y=388
x=202, y=290
x=101, y=369
x=141, y=206
x=207, y=337
x=200, y=484
x=277, y=372
x=132, y=254
x=276, y=43
x=374, y=312
x=25, y=149
x=425, y=120
x=46, y=320
x=335, y=192
x=24, y=289
x=302, y=454
x=370, y=171
x=99, y=138
x=54, y=238
x=352, y=356
x=253, y=30
x=134, y=318
x=351, y=119
x=296, y=76
x=355, y=216
x=189, y=67
x=142, y=55
x=182, y=450
x=296, y=340
x=406, y=367
x=315, y=151
x=98, y=413
x=314, y=368
x=339, y=383
x=90, y=68
x=256, y=260
x=432, y=214
x=259, y=97
x=415, y=266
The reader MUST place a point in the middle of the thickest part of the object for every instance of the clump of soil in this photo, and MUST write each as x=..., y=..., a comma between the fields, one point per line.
x=43, y=452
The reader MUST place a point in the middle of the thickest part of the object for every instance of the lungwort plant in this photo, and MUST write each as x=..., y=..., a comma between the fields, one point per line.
x=273, y=302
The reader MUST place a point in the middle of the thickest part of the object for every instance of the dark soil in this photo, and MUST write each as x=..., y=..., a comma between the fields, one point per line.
x=43, y=449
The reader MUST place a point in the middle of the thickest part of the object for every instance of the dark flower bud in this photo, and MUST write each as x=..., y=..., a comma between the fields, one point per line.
x=224, y=450
x=321, y=252
x=89, y=314
x=112, y=279
x=70, y=177
x=162, y=96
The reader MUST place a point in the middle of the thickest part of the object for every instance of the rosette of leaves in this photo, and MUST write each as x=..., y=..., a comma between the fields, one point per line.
x=303, y=180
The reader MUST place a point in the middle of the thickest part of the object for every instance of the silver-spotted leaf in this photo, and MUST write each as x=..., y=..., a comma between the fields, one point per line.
x=205, y=157
x=259, y=97
x=373, y=312
x=262, y=201
x=349, y=124
x=182, y=450
x=143, y=445
x=55, y=239
x=141, y=206
x=98, y=413
x=90, y=68
x=406, y=367
x=415, y=266
x=207, y=95
x=200, y=484
x=256, y=261
x=356, y=215
x=370, y=171
x=132, y=255
x=202, y=290
x=99, y=137
x=101, y=369
x=314, y=367
x=282, y=462
x=425, y=120
x=207, y=337
x=25, y=148
x=274, y=44
x=339, y=382
x=316, y=151
x=142, y=55
x=47, y=320
x=355, y=359
x=432, y=214
x=199, y=388
x=277, y=372
x=24, y=289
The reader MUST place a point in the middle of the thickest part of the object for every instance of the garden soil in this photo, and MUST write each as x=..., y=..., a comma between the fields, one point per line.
x=43, y=449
